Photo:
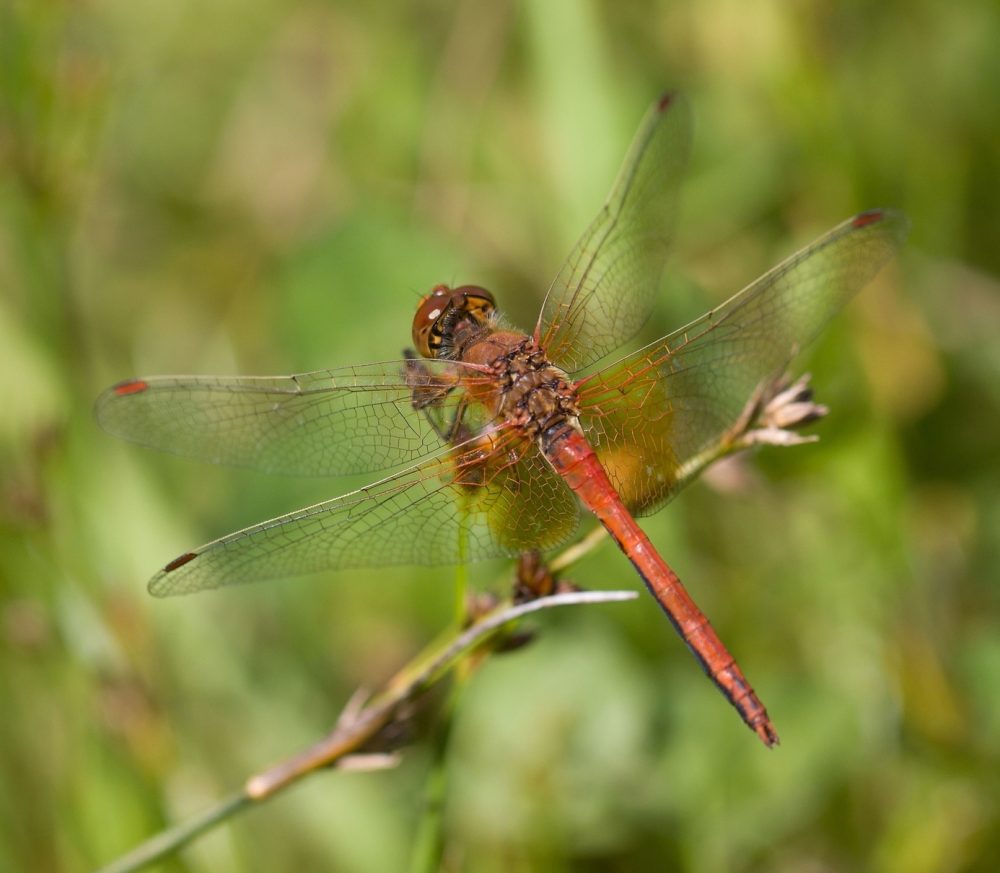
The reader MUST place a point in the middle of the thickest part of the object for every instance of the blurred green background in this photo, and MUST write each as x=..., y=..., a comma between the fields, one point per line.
x=266, y=187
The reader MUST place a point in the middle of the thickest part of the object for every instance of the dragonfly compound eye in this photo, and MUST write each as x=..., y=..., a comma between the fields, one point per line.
x=476, y=301
x=444, y=311
x=429, y=312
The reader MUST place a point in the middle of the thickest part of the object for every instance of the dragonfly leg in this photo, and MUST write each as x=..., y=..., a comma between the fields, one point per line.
x=429, y=393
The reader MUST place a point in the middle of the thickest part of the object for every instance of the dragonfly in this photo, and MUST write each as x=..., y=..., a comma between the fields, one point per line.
x=493, y=441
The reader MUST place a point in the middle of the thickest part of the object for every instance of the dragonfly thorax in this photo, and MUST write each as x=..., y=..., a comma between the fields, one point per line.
x=449, y=318
x=535, y=394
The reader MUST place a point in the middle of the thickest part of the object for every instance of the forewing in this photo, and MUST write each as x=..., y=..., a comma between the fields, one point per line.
x=654, y=413
x=604, y=292
x=329, y=422
x=453, y=508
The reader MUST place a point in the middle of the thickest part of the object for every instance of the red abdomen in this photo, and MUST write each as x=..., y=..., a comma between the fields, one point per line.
x=571, y=457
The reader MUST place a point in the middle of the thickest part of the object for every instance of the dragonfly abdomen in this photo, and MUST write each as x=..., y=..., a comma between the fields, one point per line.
x=572, y=457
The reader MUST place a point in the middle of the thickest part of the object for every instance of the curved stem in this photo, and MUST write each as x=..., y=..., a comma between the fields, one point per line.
x=168, y=841
x=429, y=845
x=358, y=724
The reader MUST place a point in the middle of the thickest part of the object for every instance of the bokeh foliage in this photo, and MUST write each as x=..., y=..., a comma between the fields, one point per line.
x=265, y=187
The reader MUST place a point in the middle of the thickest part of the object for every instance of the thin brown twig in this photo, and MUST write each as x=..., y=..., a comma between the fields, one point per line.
x=358, y=725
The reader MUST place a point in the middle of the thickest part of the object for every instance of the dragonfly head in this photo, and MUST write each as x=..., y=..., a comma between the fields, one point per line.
x=446, y=312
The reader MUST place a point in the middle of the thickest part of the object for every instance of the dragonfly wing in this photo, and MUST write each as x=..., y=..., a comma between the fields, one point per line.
x=655, y=412
x=329, y=422
x=458, y=506
x=537, y=510
x=605, y=290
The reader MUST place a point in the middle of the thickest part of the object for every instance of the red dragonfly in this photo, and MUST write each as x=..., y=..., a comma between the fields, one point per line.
x=503, y=435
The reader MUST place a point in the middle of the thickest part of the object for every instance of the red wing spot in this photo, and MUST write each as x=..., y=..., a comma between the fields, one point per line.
x=866, y=218
x=133, y=386
x=180, y=562
x=665, y=101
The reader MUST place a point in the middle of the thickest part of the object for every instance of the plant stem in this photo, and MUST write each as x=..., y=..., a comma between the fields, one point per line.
x=359, y=725
x=169, y=841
